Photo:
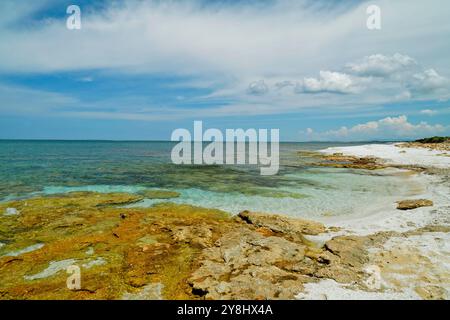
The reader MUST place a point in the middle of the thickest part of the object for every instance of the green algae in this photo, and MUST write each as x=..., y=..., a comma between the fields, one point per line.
x=118, y=250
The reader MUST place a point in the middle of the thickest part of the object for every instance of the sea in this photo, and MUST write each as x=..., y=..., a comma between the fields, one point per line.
x=30, y=168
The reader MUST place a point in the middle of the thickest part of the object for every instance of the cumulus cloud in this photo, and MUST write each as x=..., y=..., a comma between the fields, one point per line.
x=387, y=128
x=225, y=47
x=385, y=78
x=258, y=88
x=429, y=81
x=379, y=65
x=328, y=81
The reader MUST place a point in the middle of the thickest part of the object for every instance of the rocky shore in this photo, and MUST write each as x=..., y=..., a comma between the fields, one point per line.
x=166, y=252
x=174, y=251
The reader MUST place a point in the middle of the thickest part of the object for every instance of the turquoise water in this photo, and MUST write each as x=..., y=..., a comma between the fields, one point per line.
x=49, y=167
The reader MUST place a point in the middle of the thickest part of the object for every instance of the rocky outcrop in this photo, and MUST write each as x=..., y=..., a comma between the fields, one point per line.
x=439, y=146
x=339, y=160
x=282, y=224
x=272, y=260
x=413, y=204
x=168, y=251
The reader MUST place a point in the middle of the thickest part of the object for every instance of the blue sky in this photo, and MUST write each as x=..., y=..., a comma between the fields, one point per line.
x=137, y=70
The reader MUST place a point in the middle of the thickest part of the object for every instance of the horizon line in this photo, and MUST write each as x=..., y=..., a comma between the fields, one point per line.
x=151, y=140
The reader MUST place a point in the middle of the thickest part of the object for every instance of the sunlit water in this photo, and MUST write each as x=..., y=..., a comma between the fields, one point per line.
x=29, y=168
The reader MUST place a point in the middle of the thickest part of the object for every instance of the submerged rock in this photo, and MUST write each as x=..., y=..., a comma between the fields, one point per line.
x=413, y=204
x=159, y=194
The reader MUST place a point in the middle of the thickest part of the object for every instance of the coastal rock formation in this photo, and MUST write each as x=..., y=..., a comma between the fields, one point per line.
x=246, y=263
x=171, y=251
x=413, y=204
x=167, y=251
x=339, y=160
x=282, y=224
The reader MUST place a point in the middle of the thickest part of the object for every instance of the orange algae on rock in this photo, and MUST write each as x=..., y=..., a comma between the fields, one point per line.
x=107, y=242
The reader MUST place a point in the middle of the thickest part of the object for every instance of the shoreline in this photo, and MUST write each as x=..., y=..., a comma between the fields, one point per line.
x=399, y=223
x=203, y=253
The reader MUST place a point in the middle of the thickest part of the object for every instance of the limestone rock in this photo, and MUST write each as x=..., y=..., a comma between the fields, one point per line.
x=199, y=235
x=243, y=264
x=282, y=224
x=413, y=204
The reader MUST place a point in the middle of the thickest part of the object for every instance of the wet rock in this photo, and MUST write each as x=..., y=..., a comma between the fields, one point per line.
x=282, y=224
x=413, y=204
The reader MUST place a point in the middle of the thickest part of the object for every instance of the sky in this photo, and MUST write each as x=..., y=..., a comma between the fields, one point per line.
x=137, y=70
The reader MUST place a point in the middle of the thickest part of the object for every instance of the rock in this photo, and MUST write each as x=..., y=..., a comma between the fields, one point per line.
x=413, y=204
x=152, y=291
x=350, y=249
x=243, y=265
x=200, y=236
x=431, y=292
x=282, y=224
x=339, y=160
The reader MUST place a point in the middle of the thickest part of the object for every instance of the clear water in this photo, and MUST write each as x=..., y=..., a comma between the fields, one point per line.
x=49, y=167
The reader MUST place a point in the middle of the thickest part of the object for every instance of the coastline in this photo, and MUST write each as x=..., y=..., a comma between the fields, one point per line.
x=418, y=250
x=180, y=251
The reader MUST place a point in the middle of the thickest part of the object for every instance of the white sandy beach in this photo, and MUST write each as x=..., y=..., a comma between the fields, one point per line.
x=394, y=155
x=408, y=261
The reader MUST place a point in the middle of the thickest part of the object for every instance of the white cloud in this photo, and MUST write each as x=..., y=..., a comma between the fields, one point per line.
x=225, y=47
x=258, y=88
x=334, y=82
x=387, y=128
x=379, y=65
x=428, y=112
x=429, y=81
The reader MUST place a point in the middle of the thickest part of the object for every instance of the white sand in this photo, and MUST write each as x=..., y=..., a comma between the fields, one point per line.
x=397, y=156
x=431, y=247
x=328, y=289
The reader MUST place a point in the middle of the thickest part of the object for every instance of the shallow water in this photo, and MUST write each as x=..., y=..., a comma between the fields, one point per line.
x=49, y=167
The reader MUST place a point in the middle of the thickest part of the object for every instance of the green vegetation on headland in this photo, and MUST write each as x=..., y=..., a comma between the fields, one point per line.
x=435, y=139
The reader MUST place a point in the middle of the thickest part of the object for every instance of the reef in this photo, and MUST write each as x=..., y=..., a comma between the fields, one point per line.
x=339, y=160
x=168, y=251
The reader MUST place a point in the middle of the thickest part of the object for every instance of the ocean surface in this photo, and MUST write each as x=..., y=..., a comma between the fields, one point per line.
x=31, y=168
